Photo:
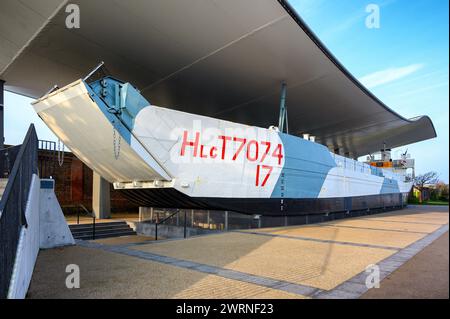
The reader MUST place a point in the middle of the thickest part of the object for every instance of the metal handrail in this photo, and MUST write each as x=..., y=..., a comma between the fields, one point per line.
x=98, y=67
x=7, y=159
x=16, y=172
x=13, y=206
x=167, y=218
x=85, y=210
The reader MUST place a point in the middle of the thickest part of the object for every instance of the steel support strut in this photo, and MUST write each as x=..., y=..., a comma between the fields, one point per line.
x=2, y=127
x=283, y=112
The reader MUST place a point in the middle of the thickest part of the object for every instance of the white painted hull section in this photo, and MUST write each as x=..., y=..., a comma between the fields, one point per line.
x=78, y=122
x=205, y=177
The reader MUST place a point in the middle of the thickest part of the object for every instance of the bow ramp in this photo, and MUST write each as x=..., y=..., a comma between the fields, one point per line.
x=95, y=121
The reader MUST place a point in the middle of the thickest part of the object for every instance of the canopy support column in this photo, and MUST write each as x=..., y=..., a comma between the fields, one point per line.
x=101, y=201
x=283, y=111
x=2, y=127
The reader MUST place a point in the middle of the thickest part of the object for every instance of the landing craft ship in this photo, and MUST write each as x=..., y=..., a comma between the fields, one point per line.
x=162, y=157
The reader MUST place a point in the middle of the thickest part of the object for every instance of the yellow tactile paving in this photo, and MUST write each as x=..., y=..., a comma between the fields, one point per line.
x=320, y=265
x=214, y=287
x=351, y=235
x=384, y=224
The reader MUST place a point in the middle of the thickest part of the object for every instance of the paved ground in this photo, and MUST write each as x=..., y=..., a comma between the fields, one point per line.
x=423, y=276
x=320, y=261
x=132, y=239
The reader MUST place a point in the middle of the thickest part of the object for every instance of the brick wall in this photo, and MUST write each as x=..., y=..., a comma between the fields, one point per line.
x=73, y=183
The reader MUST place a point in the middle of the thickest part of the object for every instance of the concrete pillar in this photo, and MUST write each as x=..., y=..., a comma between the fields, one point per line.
x=192, y=218
x=2, y=127
x=143, y=213
x=226, y=221
x=101, y=202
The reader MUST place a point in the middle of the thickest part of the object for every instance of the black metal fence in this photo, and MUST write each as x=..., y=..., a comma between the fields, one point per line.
x=207, y=219
x=7, y=158
x=81, y=210
x=227, y=220
x=13, y=203
x=47, y=159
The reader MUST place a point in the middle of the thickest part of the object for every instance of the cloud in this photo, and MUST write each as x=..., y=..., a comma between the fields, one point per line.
x=342, y=27
x=357, y=17
x=307, y=8
x=423, y=89
x=388, y=75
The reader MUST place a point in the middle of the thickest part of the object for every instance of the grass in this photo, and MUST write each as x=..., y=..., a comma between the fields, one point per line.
x=415, y=201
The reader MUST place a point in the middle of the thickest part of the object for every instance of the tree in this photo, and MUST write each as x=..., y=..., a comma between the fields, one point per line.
x=444, y=193
x=425, y=179
x=441, y=191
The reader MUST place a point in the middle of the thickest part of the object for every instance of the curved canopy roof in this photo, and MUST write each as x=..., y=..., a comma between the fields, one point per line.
x=225, y=59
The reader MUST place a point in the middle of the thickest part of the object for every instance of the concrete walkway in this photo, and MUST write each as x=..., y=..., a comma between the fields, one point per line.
x=423, y=276
x=319, y=261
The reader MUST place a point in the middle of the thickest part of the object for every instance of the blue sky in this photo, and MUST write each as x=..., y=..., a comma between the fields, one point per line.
x=404, y=62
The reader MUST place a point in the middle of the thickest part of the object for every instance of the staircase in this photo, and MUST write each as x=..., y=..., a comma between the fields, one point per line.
x=3, y=182
x=102, y=230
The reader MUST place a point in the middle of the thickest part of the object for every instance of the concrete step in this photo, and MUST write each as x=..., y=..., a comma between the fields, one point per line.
x=77, y=227
x=102, y=230
x=107, y=235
